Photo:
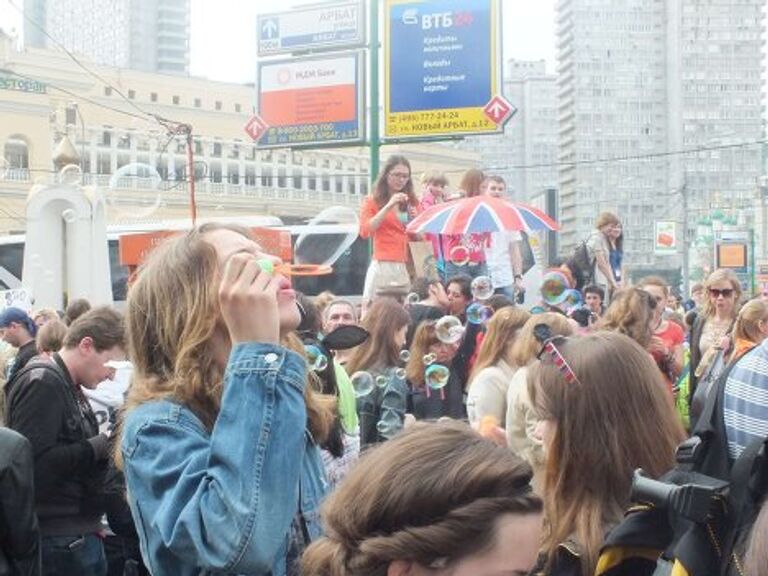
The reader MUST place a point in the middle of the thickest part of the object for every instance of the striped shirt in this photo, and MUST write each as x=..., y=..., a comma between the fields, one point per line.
x=745, y=402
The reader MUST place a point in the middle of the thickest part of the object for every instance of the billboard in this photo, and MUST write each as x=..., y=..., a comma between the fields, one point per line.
x=665, y=238
x=442, y=61
x=312, y=101
x=339, y=25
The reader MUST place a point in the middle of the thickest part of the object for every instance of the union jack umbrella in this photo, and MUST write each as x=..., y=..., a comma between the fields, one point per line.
x=480, y=214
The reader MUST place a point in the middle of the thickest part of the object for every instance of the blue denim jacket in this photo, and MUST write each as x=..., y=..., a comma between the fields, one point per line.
x=224, y=501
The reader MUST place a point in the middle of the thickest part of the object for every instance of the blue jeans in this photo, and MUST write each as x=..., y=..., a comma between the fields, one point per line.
x=472, y=270
x=79, y=555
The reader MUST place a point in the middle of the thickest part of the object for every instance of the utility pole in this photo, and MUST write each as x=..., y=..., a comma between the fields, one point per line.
x=373, y=65
x=684, y=195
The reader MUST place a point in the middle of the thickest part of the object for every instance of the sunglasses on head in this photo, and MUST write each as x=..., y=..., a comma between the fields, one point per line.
x=543, y=333
x=724, y=292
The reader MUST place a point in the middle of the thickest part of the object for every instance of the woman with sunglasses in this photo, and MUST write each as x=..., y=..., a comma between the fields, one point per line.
x=602, y=414
x=722, y=291
x=383, y=218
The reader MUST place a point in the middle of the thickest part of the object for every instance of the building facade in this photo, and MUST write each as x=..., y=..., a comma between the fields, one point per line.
x=640, y=79
x=147, y=35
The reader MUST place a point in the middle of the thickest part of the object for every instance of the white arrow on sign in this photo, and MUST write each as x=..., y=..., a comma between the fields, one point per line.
x=269, y=29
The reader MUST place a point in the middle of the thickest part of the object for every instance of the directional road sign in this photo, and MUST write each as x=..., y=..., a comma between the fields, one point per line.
x=443, y=68
x=256, y=127
x=330, y=26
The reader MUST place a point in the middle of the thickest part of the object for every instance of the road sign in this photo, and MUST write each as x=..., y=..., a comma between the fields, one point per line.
x=442, y=68
x=339, y=25
x=312, y=100
x=256, y=127
x=499, y=110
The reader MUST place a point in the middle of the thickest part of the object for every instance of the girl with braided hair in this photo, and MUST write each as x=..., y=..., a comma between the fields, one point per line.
x=437, y=499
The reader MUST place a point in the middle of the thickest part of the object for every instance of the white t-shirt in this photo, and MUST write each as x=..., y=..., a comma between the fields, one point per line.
x=498, y=257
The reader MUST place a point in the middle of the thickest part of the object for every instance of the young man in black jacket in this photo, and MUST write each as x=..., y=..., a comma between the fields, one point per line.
x=48, y=406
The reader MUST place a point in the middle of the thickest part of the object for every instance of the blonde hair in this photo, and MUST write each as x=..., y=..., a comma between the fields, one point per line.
x=720, y=275
x=527, y=345
x=172, y=315
x=50, y=336
x=630, y=313
x=605, y=219
x=601, y=435
x=393, y=507
x=502, y=331
x=747, y=326
x=48, y=313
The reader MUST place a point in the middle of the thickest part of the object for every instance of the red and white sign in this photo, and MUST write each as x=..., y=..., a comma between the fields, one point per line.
x=499, y=110
x=256, y=127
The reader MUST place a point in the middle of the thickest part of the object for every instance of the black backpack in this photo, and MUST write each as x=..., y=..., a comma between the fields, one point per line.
x=580, y=264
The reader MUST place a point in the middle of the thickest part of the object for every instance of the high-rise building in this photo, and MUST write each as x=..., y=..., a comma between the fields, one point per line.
x=526, y=153
x=639, y=79
x=147, y=35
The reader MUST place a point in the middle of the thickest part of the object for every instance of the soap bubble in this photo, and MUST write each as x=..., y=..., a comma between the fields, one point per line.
x=389, y=425
x=554, y=285
x=134, y=191
x=482, y=288
x=400, y=373
x=69, y=215
x=436, y=376
x=572, y=299
x=71, y=175
x=412, y=299
x=429, y=358
x=459, y=255
x=405, y=355
x=381, y=381
x=449, y=329
x=538, y=310
x=316, y=360
x=362, y=383
x=478, y=313
x=328, y=235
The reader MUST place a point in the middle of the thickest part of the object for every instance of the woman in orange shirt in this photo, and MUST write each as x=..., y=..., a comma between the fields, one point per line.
x=383, y=217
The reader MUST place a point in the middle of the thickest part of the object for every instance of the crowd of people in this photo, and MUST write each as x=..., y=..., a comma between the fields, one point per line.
x=226, y=424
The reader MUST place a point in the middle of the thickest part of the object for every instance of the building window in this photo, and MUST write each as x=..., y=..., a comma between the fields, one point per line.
x=107, y=91
x=198, y=103
x=132, y=94
x=217, y=149
x=238, y=108
x=153, y=96
x=16, y=152
x=176, y=100
x=218, y=104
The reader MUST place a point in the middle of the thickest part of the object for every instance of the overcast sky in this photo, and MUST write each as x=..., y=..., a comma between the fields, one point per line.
x=224, y=34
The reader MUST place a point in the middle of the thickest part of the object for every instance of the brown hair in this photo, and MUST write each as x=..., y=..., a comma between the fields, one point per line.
x=173, y=312
x=606, y=218
x=383, y=319
x=654, y=281
x=424, y=337
x=630, y=313
x=747, y=326
x=104, y=325
x=616, y=417
x=50, y=336
x=381, y=188
x=471, y=182
x=720, y=275
x=46, y=313
x=502, y=331
x=756, y=558
x=393, y=507
x=527, y=346
x=75, y=309
x=434, y=177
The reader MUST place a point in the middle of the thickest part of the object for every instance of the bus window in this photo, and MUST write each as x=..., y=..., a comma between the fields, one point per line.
x=348, y=275
x=119, y=273
x=11, y=263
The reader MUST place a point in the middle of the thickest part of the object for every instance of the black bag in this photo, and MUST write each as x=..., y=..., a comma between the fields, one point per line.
x=580, y=264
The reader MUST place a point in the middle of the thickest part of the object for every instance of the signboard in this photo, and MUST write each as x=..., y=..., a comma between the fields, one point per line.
x=340, y=25
x=733, y=251
x=313, y=100
x=16, y=298
x=442, y=72
x=255, y=127
x=665, y=238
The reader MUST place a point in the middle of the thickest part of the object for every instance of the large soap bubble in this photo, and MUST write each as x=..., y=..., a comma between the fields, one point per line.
x=482, y=288
x=436, y=376
x=134, y=192
x=449, y=329
x=362, y=383
x=328, y=235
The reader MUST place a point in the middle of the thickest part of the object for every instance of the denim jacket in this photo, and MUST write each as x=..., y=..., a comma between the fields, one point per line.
x=225, y=501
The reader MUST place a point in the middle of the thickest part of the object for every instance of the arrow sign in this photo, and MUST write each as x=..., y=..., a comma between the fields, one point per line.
x=499, y=110
x=256, y=127
x=269, y=29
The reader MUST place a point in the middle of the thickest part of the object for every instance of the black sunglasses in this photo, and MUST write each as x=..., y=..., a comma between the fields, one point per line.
x=724, y=292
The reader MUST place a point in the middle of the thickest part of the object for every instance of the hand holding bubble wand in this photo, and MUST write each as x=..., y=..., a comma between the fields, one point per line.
x=288, y=269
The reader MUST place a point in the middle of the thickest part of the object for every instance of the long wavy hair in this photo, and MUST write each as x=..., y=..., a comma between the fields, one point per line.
x=747, y=326
x=503, y=329
x=383, y=319
x=720, y=275
x=424, y=337
x=527, y=345
x=613, y=418
x=631, y=313
x=381, y=188
x=392, y=506
x=172, y=315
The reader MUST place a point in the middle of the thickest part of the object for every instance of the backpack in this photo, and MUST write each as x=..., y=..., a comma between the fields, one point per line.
x=581, y=265
x=694, y=520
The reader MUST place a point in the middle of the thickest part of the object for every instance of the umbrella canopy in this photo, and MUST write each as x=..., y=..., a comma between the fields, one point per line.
x=480, y=214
